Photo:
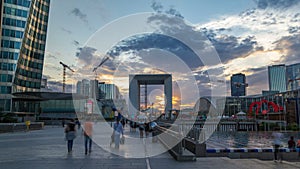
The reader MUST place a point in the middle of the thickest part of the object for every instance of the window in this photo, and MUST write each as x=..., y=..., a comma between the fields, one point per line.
x=5, y=89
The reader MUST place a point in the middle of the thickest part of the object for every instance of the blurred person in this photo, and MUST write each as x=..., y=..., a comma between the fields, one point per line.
x=298, y=147
x=277, y=143
x=88, y=132
x=70, y=132
x=118, y=130
x=291, y=143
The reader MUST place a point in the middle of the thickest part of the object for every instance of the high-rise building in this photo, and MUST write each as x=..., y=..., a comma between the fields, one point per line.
x=83, y=87
x=23, y=39
x=94, y=89
x=277, y=78
x=293, y=76
x=109, y=91
x=238, y=84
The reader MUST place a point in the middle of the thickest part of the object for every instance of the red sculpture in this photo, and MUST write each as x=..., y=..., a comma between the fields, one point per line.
x=258, y=105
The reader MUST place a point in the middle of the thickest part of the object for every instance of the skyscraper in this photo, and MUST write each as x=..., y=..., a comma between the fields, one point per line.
x=277, y=78
x=109, y=91
x=293, y=76
x=23, y=39
x=238, y=84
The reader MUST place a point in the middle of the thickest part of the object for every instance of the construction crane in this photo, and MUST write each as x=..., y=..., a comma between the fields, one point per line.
x=100, y=64
x=64, y=74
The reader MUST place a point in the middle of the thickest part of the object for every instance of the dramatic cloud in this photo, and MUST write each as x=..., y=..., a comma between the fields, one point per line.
x=246, y=43
x=277, y=4
x=80, y=15
x=157, y=7
x=174, y=12
x=256, y=38
x=230, y=47
x=291, y=44
x=86, y=55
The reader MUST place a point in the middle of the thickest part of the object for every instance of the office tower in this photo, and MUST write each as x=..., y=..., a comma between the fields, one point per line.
x=293, y=76
x=83, y=87
x=238, y=85
x=94, y=89
x=24, y=29
x=277, y=78
x=109, y=91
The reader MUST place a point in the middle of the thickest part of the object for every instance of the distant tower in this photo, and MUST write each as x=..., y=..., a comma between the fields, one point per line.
x=293, y=76
x=238, y=84
x=277, y=78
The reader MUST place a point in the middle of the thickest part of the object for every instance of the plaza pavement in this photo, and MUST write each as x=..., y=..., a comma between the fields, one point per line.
x=46, y=149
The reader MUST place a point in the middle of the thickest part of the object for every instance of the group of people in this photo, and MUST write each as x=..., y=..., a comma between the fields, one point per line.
x=292, y=145
x=71, y=133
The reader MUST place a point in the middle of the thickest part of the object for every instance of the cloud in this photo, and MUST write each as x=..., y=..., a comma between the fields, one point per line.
x=66, y=30
x=77, y=12
x=86, y=55
x=156, y=41
x=76, y=43
x=229, y=46
x=174, y=12
x=276, y=4
x=156, y=6
x=257, y=81
x=50, y=56
x=291, y=45
x=56, y=86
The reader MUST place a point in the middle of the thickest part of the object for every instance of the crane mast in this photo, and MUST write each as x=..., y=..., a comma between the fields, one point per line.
x=64, y=74
x=100, y=64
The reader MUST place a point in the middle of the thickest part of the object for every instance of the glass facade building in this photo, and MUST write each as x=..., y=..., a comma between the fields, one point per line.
x=109, y=91
x=293, y=76
x=238, y=85
x=23, y=38
x=277, y=78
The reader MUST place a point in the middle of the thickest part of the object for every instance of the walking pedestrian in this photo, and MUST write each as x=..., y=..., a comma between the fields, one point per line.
x=78, y=124
x=118, y=130
x=141, y=128
x=277, y=143
x=70, y=132
x=88, y=132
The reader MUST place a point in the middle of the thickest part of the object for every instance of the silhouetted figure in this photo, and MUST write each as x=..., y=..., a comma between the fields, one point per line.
x=291, y=143
x=70, y=131
x=118, y=130
x=88, y=132
x=277, y=143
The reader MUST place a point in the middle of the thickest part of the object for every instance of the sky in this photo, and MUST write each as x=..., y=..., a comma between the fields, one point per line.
x=247, y=35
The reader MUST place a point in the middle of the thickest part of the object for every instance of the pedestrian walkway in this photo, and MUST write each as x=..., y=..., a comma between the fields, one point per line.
x=47, y=149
